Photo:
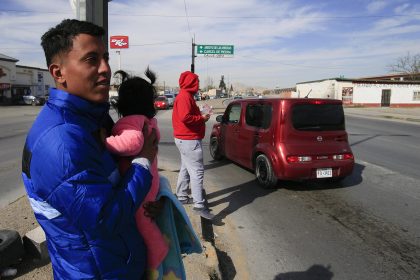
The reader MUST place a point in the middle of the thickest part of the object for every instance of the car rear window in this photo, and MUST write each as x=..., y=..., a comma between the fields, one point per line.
x=161, y=98
x=318, y=117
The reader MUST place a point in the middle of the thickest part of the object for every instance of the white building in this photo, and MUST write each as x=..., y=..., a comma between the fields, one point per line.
x=383, y=91
x=17, y=81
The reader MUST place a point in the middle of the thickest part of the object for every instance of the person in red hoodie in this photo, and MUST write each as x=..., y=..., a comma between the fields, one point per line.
x=189, y=128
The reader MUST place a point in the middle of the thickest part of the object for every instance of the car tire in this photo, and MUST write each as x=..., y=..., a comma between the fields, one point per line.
x=11, y=248
x=33, y=103
x=215, y=149
x=264, y=172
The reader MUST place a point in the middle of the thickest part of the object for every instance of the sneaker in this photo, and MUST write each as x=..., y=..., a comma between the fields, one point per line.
x=187, y=200
x=204, y=212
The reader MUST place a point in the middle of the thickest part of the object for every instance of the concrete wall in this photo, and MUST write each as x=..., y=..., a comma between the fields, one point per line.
x=371, y=94
x=360, y=94
x=322, y=89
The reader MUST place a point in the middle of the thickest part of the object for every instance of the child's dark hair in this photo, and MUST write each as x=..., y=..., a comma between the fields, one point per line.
x=136, y=96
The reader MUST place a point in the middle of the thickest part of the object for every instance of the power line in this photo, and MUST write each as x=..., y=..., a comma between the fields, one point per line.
x=186, y=15
x=290, y=64
x=225, y=17
x=160, y=43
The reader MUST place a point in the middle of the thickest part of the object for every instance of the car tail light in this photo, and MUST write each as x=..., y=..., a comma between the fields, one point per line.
x=317, y=102
x=343, y=156
x=297, y=159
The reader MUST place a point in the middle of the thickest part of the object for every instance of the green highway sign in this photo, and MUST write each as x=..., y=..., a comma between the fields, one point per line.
x=215, y=50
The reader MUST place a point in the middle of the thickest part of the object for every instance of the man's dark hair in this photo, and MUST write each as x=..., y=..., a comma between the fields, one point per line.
x=59, y=39
x=136, y=96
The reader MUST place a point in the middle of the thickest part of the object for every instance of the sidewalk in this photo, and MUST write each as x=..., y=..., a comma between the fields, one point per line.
x=397, y=114
x=18, y=216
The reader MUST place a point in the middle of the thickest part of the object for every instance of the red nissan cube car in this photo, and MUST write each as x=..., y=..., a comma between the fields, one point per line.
x=285, y=139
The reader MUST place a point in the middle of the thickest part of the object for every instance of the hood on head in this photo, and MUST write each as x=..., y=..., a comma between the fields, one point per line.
x=189, y=81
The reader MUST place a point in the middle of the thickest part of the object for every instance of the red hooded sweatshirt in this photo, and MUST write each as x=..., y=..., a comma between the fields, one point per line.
x=187, y=122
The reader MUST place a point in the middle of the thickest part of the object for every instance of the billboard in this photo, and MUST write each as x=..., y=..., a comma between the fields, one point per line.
x=118, y=42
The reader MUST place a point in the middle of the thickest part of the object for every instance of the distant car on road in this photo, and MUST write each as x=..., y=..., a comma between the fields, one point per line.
x=171, y=98
x=34, y=100
x=161, y=102
x=286, y=139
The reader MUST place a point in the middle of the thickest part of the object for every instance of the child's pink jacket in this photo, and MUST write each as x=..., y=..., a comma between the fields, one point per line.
x=127, y=142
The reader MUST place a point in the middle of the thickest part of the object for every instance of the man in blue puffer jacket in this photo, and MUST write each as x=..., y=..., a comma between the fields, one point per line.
x=73, y=184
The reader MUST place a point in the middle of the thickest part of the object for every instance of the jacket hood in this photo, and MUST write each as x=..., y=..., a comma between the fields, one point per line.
x=188, y=81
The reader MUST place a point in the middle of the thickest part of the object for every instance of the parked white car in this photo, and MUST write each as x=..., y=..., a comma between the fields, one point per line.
x=171, y=98
x=34, y=100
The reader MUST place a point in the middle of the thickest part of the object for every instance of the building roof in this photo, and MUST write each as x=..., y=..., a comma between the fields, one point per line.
x=366, y=80
x=30, y=67
x=393, y=76
x=8, y=58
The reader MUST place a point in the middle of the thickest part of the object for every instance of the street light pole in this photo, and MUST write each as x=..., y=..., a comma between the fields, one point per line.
x=192, y=54
x=119, y=59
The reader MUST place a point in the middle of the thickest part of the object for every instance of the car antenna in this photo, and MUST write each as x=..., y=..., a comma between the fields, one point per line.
x=308, y=94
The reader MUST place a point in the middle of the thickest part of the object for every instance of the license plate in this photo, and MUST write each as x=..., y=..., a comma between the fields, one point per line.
x=324, y=173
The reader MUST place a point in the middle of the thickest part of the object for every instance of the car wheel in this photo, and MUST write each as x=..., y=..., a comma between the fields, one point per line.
x=264, y=172
x=11, y=248
x=215, y=149
x=33, y=103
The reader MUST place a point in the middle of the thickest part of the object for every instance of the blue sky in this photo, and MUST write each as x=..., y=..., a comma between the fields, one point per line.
x=277, y=43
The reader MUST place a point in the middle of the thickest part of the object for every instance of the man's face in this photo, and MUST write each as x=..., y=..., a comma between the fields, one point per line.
x=84, y=70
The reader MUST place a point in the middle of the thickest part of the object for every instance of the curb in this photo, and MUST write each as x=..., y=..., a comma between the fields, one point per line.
x=208, y=260
x=387, y=117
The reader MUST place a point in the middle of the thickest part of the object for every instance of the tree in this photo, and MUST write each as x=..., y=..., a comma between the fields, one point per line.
x=222, y=84
x=408, y=64
x=209, y=83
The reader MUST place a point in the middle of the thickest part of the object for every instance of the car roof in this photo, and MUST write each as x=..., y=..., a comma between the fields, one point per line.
x=289, y=101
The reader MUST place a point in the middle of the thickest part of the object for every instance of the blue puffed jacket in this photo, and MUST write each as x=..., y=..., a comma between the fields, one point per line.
x=80, y=201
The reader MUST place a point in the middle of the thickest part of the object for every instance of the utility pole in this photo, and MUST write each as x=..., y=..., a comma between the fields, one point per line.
x=95, y=11
x=193, y=54
x=119, y=59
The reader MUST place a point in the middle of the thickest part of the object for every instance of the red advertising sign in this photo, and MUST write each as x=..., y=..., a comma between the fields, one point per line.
x=118, y=42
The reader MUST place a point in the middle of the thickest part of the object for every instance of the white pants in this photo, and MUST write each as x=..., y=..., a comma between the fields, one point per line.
x=191, y=171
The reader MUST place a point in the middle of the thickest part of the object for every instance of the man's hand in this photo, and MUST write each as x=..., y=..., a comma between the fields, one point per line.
x=206, y=117
x=150, y=145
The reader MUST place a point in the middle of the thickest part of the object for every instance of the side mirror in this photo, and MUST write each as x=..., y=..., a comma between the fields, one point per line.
x=219, y=118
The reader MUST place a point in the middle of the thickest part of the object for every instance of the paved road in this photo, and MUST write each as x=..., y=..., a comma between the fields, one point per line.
x=366, y=228
x=14, y=124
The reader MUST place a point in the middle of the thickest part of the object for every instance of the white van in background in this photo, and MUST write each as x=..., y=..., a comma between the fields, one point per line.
x=171, y=98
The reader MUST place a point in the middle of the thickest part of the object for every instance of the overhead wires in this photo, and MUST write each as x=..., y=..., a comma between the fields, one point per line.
x=186, y=16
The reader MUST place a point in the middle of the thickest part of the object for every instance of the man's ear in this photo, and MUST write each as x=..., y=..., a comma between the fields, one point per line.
x=56, y=73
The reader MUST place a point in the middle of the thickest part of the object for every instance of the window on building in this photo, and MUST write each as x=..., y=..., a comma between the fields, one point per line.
x=416, y=95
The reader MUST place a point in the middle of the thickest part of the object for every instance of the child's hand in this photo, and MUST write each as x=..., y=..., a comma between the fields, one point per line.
x=150, y=145
x=153, y=208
